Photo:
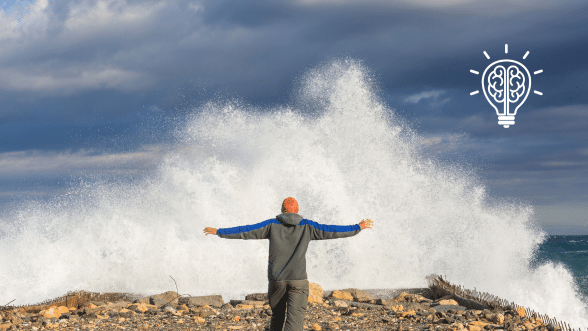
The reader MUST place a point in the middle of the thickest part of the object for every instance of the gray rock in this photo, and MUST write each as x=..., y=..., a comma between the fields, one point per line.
x=247, y=302
x=363, y=305
x=448, y=307
x=257, y=297
x=170, y=297
x=160, y=299
x=211, y=300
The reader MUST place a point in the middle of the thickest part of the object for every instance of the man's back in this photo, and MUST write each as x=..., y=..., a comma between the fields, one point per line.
x=289, y=235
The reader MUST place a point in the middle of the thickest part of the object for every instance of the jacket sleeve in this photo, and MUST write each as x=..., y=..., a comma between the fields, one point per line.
x=255, y=231
x=321, y=231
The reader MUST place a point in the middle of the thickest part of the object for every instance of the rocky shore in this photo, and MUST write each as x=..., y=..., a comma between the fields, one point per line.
x=346, y=309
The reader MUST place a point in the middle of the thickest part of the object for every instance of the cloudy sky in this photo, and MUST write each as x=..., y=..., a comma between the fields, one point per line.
x=81, y=80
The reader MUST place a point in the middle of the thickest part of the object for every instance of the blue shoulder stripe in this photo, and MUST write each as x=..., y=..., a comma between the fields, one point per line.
x=330, y=228
x=247, y=228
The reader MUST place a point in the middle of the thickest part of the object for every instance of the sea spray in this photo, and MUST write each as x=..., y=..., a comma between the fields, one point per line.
x=342, y=154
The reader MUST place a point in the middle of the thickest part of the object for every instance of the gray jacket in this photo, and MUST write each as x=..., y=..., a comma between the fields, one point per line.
x=289, y=235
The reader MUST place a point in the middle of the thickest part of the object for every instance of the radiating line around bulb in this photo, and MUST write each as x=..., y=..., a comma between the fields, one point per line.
x=505, y=48
x=537, y=92
x=526, y=54
x=487, y=56
x=538, y=72
x=474, y=72
x=475, y=92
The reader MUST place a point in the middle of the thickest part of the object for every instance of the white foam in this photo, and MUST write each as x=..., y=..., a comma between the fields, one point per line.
x=342, y=154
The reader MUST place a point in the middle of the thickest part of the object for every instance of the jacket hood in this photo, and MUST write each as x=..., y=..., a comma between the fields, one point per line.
x=289, y=218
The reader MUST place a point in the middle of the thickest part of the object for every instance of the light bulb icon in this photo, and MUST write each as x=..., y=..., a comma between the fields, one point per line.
x=506, y=84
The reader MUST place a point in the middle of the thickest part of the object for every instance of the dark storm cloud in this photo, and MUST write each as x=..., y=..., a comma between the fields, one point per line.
x=246, y=48
x=74, y=73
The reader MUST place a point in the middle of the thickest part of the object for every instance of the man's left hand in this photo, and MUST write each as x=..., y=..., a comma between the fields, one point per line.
x=210, y=231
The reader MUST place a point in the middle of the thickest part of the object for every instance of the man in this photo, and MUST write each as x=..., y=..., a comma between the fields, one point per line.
x=289, y=235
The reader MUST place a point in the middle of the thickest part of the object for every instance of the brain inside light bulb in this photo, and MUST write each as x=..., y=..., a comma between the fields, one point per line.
x=506, y=85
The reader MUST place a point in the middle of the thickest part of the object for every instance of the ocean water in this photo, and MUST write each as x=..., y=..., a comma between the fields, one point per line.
x=571, y=252
x=343, y=154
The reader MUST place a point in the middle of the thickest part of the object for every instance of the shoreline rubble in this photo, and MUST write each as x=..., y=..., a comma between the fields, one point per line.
x=345, y=309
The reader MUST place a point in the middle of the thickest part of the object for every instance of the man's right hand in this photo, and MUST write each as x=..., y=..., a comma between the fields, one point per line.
x=366, y=224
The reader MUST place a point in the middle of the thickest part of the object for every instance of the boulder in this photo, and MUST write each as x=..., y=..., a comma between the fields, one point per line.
x=160, y=299
x=211, y=300
x=360, y=296
x=521, y=312
x=315, y=294
x=341, y=295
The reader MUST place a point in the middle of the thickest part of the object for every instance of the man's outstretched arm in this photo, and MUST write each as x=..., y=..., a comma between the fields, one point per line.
x=323, y=231
x=254, y=231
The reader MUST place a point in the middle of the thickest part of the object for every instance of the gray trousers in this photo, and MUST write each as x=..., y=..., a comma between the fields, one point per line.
x=290, y=296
